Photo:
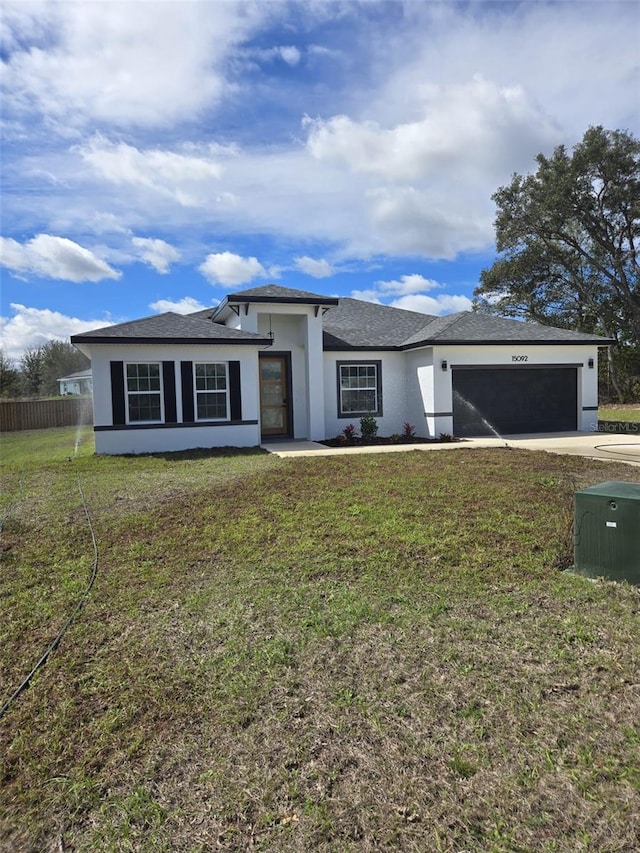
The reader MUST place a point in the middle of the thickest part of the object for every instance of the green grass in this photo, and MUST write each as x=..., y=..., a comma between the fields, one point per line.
x=623, y=412
x=377, y=652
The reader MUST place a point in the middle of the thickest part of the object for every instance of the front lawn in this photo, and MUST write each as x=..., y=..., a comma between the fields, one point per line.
x=350, y=653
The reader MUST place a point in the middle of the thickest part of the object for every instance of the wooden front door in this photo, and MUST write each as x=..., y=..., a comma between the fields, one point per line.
x=275, y=412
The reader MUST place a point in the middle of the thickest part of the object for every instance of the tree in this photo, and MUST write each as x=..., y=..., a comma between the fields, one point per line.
x=9, y=377
x=42, y=366
x=31, y=371
x=59, y=359
x=569, y=237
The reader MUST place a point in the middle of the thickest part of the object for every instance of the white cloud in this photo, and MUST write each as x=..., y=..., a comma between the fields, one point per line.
x=367, y=296
x=443, y=304
x=137, y=63
x=185, y=178
x=316, y=268
x=186, y=305
x=427, y=119
x=101, y=222
x=408, y=284
x=429, y=221
x=229, y=270
x=290, y=54
x=408, y=293
x=32, y=327
x=156, y=253
x=54, y=257
x=586, y=73
x=473, y=125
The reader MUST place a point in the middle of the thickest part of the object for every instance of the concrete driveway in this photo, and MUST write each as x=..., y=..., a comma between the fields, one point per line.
x=593, y=445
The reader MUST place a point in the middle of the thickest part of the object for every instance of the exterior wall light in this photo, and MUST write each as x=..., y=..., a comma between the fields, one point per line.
x=590, y=362
x=443, y=364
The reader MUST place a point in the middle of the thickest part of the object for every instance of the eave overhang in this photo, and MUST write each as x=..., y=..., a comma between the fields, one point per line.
x=235, y=300
x=346, y=347
x=600, y=342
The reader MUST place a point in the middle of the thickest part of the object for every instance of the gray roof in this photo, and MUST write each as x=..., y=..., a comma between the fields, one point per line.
x=348, y=324
x=270, y=294
x=479, y=327
x=169, y=328
x=354, y=323
x=275, y=293
x=80, y=374
x=366, y=325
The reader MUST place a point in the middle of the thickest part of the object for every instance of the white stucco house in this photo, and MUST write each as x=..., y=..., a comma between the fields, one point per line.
x=273, y=362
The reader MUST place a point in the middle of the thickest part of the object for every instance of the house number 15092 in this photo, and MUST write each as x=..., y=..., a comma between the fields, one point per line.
x=519, y=358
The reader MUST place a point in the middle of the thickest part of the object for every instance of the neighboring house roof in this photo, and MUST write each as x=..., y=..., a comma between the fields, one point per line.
x=81, y=374
x=169, y=328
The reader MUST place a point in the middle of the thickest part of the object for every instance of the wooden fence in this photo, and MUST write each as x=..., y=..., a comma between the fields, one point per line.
x=45, y=414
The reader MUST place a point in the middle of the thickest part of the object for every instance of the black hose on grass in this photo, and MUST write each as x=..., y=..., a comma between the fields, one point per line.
x=76, y=609
x=9, y=507
x=604, y=448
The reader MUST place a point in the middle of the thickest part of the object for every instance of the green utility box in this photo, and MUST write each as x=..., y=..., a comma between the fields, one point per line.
x=606, y=538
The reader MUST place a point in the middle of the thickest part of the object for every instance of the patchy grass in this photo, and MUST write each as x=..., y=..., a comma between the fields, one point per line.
x=377, y=652
x=628, y=412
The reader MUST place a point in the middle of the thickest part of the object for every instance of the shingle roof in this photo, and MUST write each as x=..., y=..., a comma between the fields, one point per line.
x=355, y=324
x=169, y=328
x=204, y=313
x=348, y=324
x=477, y=327
x=274, y=292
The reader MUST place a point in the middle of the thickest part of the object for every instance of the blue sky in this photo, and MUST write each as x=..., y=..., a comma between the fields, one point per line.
x=158, y=155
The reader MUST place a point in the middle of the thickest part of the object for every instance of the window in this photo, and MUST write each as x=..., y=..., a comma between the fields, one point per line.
x=212, y=399
x=359, y=388
x=144, y=394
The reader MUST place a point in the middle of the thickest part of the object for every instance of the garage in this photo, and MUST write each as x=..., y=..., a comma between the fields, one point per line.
x=513, y=400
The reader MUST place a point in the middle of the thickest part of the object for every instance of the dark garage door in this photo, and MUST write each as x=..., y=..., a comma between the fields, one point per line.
x=514, y=400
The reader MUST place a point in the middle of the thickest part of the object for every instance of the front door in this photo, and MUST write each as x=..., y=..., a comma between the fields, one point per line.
x=275, y=412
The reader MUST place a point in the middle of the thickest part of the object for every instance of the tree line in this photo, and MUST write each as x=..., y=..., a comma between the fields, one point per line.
x=38, y=370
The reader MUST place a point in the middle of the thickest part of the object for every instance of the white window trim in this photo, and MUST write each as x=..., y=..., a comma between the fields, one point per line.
x=226, y=393
x=127, y=392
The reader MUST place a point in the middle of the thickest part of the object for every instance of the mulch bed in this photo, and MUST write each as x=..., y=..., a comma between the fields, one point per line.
x=340, y=441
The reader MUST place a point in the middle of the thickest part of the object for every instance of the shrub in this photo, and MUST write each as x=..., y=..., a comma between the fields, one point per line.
x=446, y=436
x=349, y=432
x=368, y=427
x=408, y=430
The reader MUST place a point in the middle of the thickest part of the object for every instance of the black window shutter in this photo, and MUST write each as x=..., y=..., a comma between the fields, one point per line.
x=186, y=374
x=117, y=393
x=169, y=382
x=235, y=394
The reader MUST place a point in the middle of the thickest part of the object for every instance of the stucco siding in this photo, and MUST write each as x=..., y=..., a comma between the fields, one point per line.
x=420, y=399
x=393, y=388
x=167, y=439
x=144, y=438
